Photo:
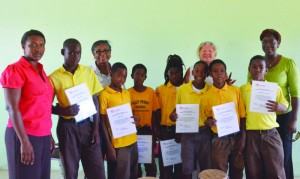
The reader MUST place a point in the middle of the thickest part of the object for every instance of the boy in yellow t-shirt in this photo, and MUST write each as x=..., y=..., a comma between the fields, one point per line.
x=195, y=147
x=144, y=104
x=226, y=150
x=263, y=150
x=122, y=152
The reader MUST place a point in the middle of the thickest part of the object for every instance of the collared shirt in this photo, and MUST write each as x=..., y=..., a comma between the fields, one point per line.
x=186, y=95
x=104, y=79
x=143, y=104
x=215, y=97
x=62, y=80
x=110, y=98
x=167, y=101
x=260, y=121
x=36, y=96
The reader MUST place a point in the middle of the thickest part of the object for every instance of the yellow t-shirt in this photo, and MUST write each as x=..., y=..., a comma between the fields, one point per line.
x=143, y=104
x=167, y=101
x=260, y=121
x=186, y=95
x=110, y=98
x=62, y=80
x=215, y=97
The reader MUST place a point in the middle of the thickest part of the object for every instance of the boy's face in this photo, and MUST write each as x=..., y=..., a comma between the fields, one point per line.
x=139, y=76
x=102, y=54
x=199, y=73
x=218, y=73
x=174, y=75
x=118, y=78
x=258, y=69
x=72, y=55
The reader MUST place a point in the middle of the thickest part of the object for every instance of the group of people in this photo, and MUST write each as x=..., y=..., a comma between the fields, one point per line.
x=263, y=145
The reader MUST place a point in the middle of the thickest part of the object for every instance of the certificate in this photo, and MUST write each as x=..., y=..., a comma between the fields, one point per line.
x=81, y=96
x=121, y=121
x=171, y=152
x=227, y=120
x=188, y=118
x=260, y=94
x=144, y=143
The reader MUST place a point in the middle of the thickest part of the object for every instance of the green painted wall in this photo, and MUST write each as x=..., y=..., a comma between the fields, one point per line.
x=144, y=31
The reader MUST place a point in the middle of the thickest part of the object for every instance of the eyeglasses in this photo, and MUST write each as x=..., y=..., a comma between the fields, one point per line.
x=98, y=52
x=296, y=137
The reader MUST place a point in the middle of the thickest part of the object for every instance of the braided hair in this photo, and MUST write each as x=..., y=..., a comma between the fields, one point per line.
x=176, y=62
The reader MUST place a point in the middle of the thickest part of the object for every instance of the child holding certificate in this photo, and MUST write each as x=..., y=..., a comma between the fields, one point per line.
x=167, y=101
x=263, y=150
x=227, y=149
x=195, y=145
x=144, y=104
x=122, y=152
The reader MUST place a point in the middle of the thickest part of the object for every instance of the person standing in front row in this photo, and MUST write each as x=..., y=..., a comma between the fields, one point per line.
x=144, y=104
x=167, y=101
x=263, y=151
x=229, y=148
x=77, y=140
x=122, y=152
x=195, y=147
x=28, y=96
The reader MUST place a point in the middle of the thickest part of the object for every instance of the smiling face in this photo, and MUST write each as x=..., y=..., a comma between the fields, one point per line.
x=207, y=53
x=72, y=55
x=200, y=73
x=34, y=48
x=218, y=73
x=258, y=69
x=270, y=45
x=118, y=78
x=102, y=54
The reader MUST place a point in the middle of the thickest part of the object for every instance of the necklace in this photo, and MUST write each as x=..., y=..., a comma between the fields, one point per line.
x=278, y=57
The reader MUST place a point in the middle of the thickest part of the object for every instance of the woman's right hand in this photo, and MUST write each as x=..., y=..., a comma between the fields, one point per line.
x=27, y=153
x=112, y=154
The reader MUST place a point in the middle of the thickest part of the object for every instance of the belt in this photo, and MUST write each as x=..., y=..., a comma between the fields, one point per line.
x=73, y=121
x=268, y=131
x=168, y=128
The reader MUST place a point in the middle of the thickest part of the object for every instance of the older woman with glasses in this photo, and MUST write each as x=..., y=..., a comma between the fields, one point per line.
x=283, y=71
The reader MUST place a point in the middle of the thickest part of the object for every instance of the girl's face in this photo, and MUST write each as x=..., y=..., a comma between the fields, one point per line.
x=258, y=69
x=207, y=53
x=139, y=76
x=200, y=73
x=102, y=54
x=218, y=73
x=175, y=76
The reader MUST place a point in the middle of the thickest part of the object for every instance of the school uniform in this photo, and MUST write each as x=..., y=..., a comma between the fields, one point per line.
x=126, y=165
x=143, y=105
x=223, y=148
x=75, y=138
x=195, y=146
x=264, y=156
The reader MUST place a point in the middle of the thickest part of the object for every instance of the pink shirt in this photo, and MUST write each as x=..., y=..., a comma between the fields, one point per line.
x=36, y=97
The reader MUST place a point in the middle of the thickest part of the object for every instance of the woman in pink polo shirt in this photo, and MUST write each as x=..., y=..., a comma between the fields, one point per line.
x=28, y=95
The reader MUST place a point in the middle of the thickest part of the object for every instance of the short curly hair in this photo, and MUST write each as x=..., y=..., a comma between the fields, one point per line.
x=272, y=32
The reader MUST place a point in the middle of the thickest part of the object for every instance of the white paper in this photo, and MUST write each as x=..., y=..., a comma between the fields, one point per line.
x=80, y=95
x=227, y=119
x=188, y=118
x=171, y=152
x=121, y=121
x=144, y=143
x=261, y=93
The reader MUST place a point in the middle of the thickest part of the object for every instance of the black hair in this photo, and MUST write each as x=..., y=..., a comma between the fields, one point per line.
x=118, y=65
x=29, y=33
x=176, y=62
x=71, y=41
x=139, y=65
x=97, y=43
x=216, y=61
x=204, y=64
x=257, y=57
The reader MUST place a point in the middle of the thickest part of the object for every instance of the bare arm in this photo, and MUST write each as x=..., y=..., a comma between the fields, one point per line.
x=187, y=76
x=110, y=149
x=12, y=98
x=96, y=137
